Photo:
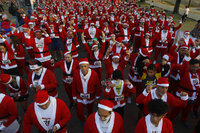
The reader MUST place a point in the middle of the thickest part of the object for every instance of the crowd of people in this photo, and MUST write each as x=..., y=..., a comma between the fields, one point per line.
x=164, y=69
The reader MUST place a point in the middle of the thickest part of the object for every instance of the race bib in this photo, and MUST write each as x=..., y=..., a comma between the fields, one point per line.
x=119, y=98
x=40, y=45
x=195, y=81
x=85, y=96
x=69, y=80
x=52, y=35
x=5, y=62
x=97, y=63
x=35, y=83
x=46, y=121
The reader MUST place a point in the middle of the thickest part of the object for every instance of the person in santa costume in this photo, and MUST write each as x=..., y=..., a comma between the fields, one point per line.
x=139, y=62
x=188, y=39
x=105, y=120
x=41, y=78
x=189, y=83
x=155, y=121
x=163, y=39
x=47, y=114
x=68, y=66
x=7, y=59
x=8, y=115
x=40, y=47
x=95, y=55
x=115, y=63
x=85, y=88
x=17, y=88
x=118, y=91
x=147, y=43
x=19, y=53
x=161, y=92
x=70, y=44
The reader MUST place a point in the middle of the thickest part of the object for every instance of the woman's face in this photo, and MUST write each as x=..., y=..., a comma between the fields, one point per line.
x=3, y=49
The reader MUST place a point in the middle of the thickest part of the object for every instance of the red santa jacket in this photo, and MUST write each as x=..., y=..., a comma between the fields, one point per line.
x=147, y=44
x=47, y=81
x=110, y=66
x=19, y=52
x=194, y=52
x=67, y=73
x=92, y=124
x=15, y=33
x=189, y=82
x=108, y=31
x=21, y=90
x=40, y=48
x=163, y=40
x=189, y=42
x=8, y=110
x=62, y=116
x=119, y=99
x=88, y=35
x=125, y=33
x=95, y=61
x=118, y=49
x=85, y=89
x=172, y=101
x=71, y=48
x=173, y=30
x=7, y=59
x=143, y=128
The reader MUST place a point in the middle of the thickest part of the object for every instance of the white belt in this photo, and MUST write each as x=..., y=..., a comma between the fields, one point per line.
x=161, y=46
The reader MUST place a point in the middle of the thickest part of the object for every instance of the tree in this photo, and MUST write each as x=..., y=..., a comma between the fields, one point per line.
x=176, y=7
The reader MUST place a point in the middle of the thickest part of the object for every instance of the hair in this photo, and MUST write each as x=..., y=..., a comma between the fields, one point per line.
x=117, y=74
x=193, y=61
x=158, y=107
x=15, y=41
x=151, y=67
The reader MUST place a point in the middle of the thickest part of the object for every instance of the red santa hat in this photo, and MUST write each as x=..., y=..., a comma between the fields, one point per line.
x=167, y=57
x=125, y=23
x=147, y=34
x=5, y=78
x=41, y=97
x=119, y=39
x=25, y=26
x=94, y=45
x=34, y=64
x=83, y=61
x=173, y=23
x=187, y=32
x=106, y=105
x=30, y=22
x=171, y=16
x=37, y=30
x=143, y=52
x=163, y=82
x=115, y=55
x=13, y=25
x=183, y=46
x=112, y=35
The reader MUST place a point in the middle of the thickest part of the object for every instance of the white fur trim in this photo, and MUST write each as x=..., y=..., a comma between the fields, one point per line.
x=83, y=62
x=104, y=107
x=33, y=67
x=166, y=57
x=40, y=104
x=184, y=98
x=140, y=51
x=145, y=93
x=115, y=57
x=163, y=85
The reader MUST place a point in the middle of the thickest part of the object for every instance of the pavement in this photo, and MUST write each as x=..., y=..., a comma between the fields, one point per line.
x=194, y=12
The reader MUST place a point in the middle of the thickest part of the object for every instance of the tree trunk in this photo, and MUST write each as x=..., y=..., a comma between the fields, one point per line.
x=176, y=7
x=142, y=0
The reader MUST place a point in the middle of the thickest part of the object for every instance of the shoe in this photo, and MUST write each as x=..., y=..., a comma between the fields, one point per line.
x=186, y=124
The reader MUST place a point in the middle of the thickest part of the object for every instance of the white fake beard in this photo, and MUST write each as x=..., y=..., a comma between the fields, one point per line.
x=106, y=120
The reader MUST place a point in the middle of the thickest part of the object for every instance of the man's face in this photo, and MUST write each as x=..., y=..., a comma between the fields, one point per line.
x=162, y=90
x=70, y=34
x=147, y=36
x=2, y=49
x=183, y=51
x=103, y=114
x=38, y=35
x=45, y=106
x=115, y=60
x=25, y=30
x=163, y=62
x=84, y=68
x=68, y=58
x=151, y=73
x=155, y=119
x=112, y=37
x=194, y=68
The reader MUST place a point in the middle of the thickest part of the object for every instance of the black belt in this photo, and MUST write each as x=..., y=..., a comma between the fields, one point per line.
x=41, y=52
x=68, y=74
x=91, y=94
x=186, y=89
x=4, y=117
x=124, y=35
x=147, y=46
